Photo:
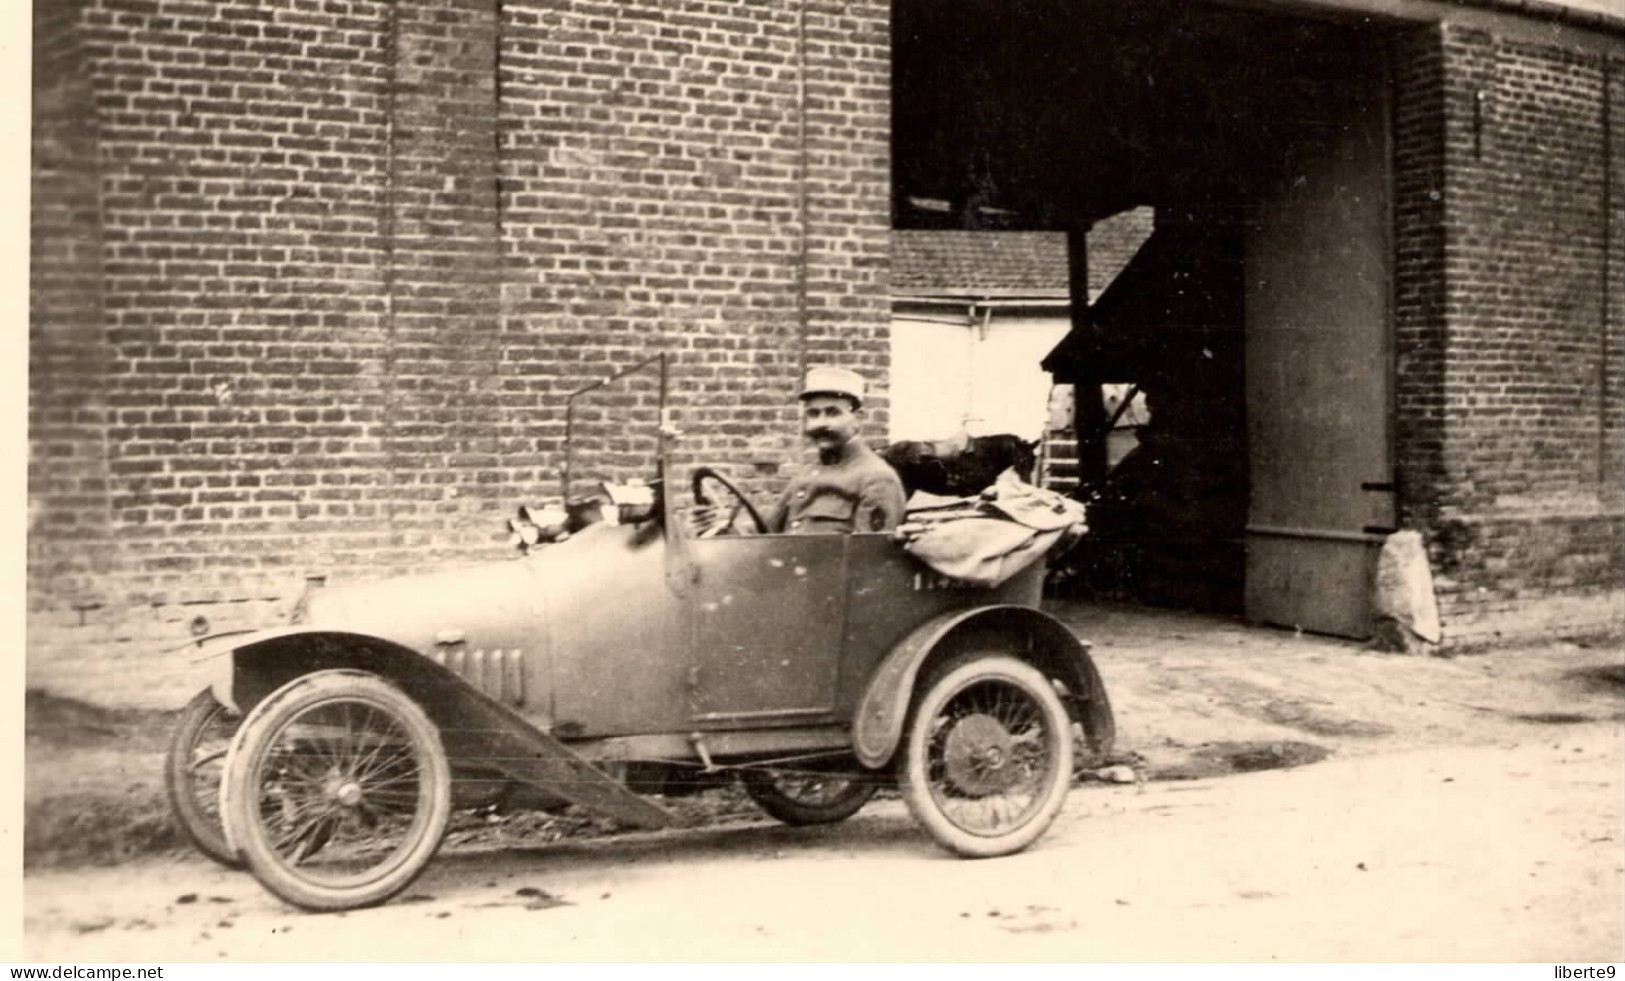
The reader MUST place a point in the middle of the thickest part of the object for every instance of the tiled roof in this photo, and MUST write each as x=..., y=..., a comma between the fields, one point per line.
x=994, y=263
x=1113, y=242
x=979, y=262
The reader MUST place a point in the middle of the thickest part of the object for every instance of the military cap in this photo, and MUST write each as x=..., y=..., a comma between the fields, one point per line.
x=826, y=380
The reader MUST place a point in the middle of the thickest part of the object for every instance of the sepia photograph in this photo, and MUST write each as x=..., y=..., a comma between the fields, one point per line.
x=801, y=481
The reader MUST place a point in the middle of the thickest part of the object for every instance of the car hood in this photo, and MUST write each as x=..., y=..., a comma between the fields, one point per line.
x=493, y=606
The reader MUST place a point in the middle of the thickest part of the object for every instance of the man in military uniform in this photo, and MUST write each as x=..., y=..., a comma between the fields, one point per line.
x=850, y=488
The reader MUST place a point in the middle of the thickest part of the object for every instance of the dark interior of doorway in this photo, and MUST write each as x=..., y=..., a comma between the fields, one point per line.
x=1057, y=114
x=1167, y=520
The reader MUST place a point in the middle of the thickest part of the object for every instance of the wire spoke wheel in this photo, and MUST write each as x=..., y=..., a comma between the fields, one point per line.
x=988, y=758
x=803, y=797
x=338, y=791
x=193, y=766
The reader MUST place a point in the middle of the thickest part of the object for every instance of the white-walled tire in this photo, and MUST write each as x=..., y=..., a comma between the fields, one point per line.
x=987, y=761
x=337, y=791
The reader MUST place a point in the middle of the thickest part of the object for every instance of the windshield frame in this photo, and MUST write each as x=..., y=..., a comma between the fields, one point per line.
x=664, y=430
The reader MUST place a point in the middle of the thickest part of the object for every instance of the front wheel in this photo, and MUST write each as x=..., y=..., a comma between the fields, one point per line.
x=337, y=791
x=798, y=798
x=988, y=760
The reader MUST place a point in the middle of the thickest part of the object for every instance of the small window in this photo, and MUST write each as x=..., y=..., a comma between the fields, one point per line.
x=1126, y=411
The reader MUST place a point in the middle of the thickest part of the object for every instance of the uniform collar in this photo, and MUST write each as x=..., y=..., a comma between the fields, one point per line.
x=851, y=450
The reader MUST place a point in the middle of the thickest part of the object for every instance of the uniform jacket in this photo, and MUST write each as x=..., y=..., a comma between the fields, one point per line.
x=860, y=492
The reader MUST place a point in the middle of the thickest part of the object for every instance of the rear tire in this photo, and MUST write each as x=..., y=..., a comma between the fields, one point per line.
x=801, y=798
x=337, y=791
x=988, y=758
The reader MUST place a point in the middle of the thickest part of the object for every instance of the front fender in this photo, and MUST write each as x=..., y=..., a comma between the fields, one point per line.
x=1030, y=634
x=474, y=728
x=242, y=668
x=216, y=658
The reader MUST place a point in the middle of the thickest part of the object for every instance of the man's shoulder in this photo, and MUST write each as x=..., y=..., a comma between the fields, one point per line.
x=873, y=466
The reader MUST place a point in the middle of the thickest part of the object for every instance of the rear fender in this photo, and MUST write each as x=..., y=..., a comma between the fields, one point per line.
x=1029, y=634
x=473, y=726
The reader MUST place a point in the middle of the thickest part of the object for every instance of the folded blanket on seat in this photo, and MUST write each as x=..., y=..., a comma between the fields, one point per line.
x=990, y=537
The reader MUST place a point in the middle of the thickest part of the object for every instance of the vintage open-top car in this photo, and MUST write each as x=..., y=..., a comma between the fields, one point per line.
x=621, y=658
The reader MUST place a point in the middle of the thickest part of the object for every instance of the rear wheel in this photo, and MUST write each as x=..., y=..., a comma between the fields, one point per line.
x=988, y=758
x=801, y=797
x=192, y=771
x=337, y=791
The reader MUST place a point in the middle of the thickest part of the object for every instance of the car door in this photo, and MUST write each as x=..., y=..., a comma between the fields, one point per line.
x=768, y=620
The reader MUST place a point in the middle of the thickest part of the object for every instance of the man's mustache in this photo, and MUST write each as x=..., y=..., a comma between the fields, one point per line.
x=819, y=433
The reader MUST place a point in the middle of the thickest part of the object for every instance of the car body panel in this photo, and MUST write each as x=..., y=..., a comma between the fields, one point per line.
x=483, y=623
x=767, y=629
x=616, y=636
x=890, y=593
x=487, y=607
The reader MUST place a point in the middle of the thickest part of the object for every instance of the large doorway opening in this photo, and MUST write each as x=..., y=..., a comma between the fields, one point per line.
x=1247, y=340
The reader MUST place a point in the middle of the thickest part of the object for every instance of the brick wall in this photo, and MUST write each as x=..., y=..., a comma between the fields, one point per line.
x=1420, y=337
x=68, y=350
x=664, y=189
x=311, y=280
x=1509, y=330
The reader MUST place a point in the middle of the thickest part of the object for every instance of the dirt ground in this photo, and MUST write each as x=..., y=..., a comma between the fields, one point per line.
x=1182, y=682
x=1408, y=754
x=1456, y=853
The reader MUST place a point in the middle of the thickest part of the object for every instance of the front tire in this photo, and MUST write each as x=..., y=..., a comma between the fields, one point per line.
x=798, y=798
x=988, y=761
x=337, y=791
x=192, y=771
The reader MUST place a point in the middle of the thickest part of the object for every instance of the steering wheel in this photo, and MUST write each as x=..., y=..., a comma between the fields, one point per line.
x=740, y=501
